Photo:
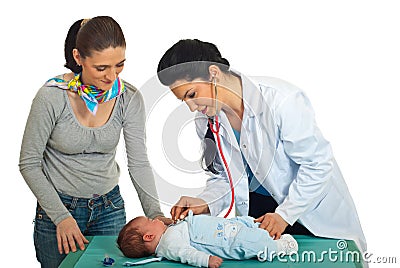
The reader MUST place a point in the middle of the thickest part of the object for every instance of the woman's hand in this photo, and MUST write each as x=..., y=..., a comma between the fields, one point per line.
x=186, y=203
x=165, y=220
x=273, y=223
x=68, y=234
x=214, y=262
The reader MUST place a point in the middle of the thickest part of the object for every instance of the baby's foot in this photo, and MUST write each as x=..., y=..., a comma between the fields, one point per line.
x=287, y=244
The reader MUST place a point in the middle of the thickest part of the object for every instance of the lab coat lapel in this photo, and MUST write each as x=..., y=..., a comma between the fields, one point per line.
x=226, y=132
x=258, y=137
x=235, y=162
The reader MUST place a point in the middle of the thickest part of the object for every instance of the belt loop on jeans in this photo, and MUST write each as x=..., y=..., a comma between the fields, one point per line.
x=74, y=202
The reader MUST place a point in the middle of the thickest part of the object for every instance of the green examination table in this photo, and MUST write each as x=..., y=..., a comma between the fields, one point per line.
x=313, y=252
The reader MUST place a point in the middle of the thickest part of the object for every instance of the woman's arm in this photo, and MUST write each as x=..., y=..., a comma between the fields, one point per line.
x=41, y=121
x=39, y=125
x=139, y=167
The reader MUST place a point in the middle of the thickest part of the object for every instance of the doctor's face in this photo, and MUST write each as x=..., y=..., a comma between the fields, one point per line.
x=198, y=95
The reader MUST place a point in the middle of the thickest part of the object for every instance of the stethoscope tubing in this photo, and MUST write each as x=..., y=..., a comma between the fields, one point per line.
x=225, y=163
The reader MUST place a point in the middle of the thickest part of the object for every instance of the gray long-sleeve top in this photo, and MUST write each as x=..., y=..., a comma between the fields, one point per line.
x=60, y=154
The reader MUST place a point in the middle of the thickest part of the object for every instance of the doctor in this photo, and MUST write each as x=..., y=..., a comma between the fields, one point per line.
x=283, y=170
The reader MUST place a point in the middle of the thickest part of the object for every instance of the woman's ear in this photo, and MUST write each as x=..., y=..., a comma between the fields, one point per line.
x=214, y=71
x=77, y=57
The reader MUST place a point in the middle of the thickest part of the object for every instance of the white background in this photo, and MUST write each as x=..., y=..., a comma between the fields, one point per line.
x=344, y=54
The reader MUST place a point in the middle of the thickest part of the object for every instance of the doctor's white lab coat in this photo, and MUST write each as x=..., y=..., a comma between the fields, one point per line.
x=289, y=156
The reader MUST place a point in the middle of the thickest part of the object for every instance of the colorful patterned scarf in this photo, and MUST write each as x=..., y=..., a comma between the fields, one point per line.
x=91, y=95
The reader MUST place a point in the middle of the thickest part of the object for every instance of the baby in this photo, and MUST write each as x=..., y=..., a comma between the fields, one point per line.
x=201, y=240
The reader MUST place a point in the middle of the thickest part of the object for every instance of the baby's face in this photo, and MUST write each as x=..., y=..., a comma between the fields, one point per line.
x=153, y=226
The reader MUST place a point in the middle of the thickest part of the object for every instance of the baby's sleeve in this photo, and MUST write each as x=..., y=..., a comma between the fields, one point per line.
x=175, y=245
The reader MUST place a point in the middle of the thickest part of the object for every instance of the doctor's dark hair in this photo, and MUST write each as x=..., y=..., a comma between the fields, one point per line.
x=189, y=59
x=94, y=34
x=209, y=151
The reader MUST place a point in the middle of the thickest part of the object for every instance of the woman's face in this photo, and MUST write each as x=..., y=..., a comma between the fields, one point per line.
x=102, y=68
x=198, y=95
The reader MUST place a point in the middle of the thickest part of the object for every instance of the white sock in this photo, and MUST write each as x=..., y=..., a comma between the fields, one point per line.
x=287, y=244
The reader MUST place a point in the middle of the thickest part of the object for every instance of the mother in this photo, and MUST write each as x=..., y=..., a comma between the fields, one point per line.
x=68, y=150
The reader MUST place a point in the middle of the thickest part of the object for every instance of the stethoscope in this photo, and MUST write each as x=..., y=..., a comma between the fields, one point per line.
x=214, y=120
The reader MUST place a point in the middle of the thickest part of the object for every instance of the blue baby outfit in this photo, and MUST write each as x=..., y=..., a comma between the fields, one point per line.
x=195, y=239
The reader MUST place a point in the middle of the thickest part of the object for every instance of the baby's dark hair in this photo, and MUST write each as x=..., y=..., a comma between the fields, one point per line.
x=130, y=241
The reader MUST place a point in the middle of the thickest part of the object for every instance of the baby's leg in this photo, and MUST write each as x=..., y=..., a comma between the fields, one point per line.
x=252, y=242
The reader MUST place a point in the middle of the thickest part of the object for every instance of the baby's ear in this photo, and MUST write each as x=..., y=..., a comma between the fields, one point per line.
x=148, y=237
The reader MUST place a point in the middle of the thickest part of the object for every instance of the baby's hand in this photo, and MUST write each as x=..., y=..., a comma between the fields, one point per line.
x=214, y=262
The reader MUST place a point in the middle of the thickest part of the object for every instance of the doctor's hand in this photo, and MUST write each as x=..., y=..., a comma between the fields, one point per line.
x=181, y=209
x=68, y=234
x=273, y=223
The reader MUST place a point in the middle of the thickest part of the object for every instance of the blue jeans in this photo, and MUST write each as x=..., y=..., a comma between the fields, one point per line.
x=100, y=215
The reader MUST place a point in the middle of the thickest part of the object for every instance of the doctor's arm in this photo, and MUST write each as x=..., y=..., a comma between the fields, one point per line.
x=216, y=195
x=212, y=200
x=304, y=144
